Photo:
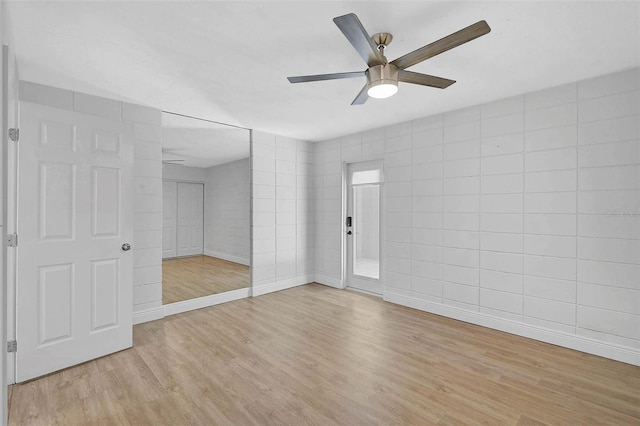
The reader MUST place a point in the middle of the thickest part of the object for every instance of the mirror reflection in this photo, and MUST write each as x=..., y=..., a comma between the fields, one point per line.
x=206, y=199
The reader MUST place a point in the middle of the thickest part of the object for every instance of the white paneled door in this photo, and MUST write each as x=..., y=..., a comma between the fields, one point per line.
x=190, y=219
x=75, y=222
x=169, y=218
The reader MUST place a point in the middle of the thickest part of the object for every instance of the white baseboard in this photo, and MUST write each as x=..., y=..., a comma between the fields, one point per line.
x=227, y=256
x=205, y=301
x=282, y=285
x=148, y=315
x=571, y=341
x=331, y=282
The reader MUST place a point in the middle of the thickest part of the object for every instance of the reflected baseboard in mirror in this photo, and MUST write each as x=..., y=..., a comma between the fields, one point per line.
x=186, y=278
x=206, y=213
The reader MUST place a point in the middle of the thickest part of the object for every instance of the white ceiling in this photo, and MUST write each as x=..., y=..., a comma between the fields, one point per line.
x=204, y=147
x=202, y=143
x=228, y=61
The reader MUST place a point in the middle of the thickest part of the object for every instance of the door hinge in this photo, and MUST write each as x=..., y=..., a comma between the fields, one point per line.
x=14, y=134
x=12, y=240
x=12, y=346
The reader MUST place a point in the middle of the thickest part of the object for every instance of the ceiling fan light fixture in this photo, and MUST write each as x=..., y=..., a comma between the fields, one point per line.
x=382, y=81
x=382, y=90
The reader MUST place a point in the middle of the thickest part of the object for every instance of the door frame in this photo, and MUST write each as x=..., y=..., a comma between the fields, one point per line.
x=344, y=246
x=9, y=213
x=179, y=181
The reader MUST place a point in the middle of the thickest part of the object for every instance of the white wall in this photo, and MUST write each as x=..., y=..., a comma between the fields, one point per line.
x=3, y=292
x=147, y=172
x=183, y=173
x=9, y=213
x=8, y=119
x=226, y=206
x=147, y=236
x=282, y=250
x=328, y=158
x=227, y=211
x=521, y=214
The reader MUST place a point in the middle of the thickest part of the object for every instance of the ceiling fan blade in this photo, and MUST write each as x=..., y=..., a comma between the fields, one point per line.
x=353, y=30
x=320, y=77
x=362, y=96
x=424, y=79
x=437, y=47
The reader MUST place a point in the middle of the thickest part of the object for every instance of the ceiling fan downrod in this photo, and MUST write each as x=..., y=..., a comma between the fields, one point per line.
x=382, y=40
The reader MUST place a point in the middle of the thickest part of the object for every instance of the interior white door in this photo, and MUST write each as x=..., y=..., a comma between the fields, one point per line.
x=363, y=226
x=169, y=218
x=190, y=218
x=74, y=291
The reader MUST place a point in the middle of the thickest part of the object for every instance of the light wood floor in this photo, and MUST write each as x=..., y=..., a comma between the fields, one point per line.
x=321, y=356
x=190, y=277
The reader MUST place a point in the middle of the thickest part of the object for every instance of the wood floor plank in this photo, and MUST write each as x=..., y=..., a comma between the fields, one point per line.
x=186, y=278
x=9, y=395
x=320, y=356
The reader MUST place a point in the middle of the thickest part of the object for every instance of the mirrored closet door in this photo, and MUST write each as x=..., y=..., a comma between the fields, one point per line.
x=183, y=219
x=206, y=217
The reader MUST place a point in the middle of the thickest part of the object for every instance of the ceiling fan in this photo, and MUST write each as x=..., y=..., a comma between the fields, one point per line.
x=383, y=76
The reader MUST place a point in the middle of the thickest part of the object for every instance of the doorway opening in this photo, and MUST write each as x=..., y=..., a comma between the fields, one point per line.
x=363, y=225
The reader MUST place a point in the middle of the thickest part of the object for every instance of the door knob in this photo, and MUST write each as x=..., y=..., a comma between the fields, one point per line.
x=126, y=247
x=349, y=232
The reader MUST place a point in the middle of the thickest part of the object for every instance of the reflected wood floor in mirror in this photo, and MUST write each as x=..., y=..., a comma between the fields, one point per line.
x=315, y=355
x=190, y=277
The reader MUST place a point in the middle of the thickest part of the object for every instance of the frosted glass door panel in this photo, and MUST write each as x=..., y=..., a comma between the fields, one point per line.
x=367, y=231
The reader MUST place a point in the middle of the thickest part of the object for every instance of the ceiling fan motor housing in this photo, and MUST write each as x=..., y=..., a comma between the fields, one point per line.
x=379, y=75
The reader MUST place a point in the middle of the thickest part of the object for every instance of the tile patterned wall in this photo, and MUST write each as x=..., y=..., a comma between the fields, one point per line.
x=526, y=209
x=147, y=236
x=227, y=214
x=523, y=210
x=282, y=213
